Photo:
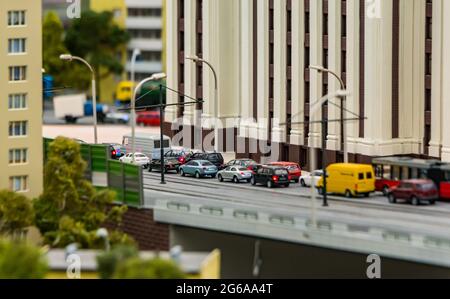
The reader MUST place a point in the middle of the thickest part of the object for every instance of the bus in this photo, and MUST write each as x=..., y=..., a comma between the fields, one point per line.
x=390, y=171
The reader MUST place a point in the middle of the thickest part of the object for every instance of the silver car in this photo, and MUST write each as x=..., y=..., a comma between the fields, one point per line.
x=235, y=173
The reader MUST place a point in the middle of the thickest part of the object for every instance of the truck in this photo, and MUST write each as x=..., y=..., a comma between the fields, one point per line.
x=148, y=144
x=72, y=107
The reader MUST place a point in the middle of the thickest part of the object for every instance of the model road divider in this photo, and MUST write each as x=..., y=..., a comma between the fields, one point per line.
x=125, y=179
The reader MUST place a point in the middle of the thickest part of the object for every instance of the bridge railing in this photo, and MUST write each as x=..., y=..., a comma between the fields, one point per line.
x=395, y=242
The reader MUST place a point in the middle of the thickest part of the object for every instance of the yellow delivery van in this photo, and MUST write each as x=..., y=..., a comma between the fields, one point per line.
x=349, y=180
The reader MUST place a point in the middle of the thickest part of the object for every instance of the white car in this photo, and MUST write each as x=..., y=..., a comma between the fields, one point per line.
x=139, y=159
x=306, y=179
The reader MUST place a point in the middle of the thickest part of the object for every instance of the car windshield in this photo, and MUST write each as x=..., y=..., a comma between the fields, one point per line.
x=140, y=156
x=292, y=167
x=207, y=164
x=214, y=157
x=426, y=187
x=281, y=172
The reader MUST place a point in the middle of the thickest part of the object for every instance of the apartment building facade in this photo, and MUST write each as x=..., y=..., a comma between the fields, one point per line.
x=21, y=163
x=144, y=24
x=389, y=53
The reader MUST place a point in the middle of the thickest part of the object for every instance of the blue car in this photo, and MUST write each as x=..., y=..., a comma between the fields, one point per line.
x=199, y=169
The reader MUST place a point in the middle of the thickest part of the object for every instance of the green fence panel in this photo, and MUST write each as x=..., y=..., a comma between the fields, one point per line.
x=133, y=184
x=115, y=179
x=99, y=156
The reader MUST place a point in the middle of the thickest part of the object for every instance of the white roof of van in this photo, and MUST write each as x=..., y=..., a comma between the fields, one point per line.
x=147, y=135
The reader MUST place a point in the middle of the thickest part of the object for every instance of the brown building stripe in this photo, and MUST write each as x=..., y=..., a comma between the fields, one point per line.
x=255, y=59
x=362, y=69
x=395, y=68
x=428, y=74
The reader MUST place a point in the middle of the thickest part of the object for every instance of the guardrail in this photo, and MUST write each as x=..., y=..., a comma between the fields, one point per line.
x=395, y=243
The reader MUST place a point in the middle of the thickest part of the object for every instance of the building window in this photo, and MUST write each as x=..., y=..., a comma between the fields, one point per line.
x=18, y=128
x=16, y=18
x=145, y=33
x=17, y=101
x=17, y=73
x=16, y=45
x=18, y=156
x=18, y=183
x=144, y=12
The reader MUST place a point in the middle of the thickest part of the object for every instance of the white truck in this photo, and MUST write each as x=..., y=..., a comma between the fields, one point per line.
x=148, y=144
x=72, y=107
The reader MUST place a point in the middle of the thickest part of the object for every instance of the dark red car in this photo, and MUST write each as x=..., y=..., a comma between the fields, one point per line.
x=415, y=192
x=148, y=118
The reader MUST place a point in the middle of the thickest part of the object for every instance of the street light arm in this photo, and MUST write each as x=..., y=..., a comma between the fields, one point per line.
x=85, y=62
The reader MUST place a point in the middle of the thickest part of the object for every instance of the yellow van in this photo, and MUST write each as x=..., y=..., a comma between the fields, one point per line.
x=349, y=179
x=124, y=91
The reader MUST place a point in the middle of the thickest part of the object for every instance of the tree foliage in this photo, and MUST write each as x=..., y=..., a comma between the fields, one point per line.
x=71, y=210
x=21, y=261
x=16, y=213
x=108, y=261
x=64, y=74
x=136, y=268
x=97, y=38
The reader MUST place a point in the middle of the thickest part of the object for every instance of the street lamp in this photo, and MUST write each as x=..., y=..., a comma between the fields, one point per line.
x=69, y=57
x=134, y=56
x=216, y=98
x=154, y=77
x=321, y=69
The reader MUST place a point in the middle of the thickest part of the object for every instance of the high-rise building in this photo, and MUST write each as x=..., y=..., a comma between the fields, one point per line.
x=21, y=97
x=144, y=24
x=390, y=55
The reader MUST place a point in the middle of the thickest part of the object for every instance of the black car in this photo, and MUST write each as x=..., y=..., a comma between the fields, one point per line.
x=214, y=158
x=170, y=164
x=271, y=177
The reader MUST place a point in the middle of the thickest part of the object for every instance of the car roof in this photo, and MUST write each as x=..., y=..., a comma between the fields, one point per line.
x=418, y=181
x=284, y=163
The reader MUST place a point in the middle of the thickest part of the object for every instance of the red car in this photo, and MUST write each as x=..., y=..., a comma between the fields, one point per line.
x=415, y=192
x=295, y=172
x=148, y=118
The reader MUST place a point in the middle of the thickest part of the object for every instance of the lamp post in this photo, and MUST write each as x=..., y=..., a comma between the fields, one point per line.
x=69, y=57
x=321, y=69
x=216, y=98
x=154, y=77
x=134, y=56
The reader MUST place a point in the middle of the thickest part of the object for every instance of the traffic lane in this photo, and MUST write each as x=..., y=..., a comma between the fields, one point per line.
x=254, y=197
x=364, y=217
x=298, y=190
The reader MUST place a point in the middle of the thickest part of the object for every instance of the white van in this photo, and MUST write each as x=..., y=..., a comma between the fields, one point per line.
x=148, y=144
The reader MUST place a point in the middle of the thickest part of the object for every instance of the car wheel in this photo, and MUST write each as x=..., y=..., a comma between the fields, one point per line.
x=348, y=194
x=302, y=182
x=287, y=185
x=392, y=198
x=253, y=181
x=432, y=202
x=249, y=180
x=415, y=201
x=197, y=175
x=235, y=180
x=182, y=172
x=150, y=169
x=269, y=184
x=220, y=178
x=367, y=195
x=297, y=181
x=385, y=190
